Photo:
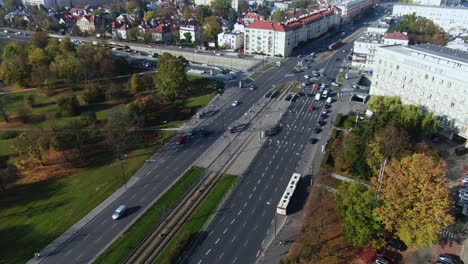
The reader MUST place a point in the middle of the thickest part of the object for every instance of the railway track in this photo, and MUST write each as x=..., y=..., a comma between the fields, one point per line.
x=149, y=249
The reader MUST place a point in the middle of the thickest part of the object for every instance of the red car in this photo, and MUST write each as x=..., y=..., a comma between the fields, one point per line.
x=181, y=139
x=316, y=87
x=312, y=108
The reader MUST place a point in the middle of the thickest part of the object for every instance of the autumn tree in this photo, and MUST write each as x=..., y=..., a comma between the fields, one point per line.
x=66, y=45
x=117, y=129
x=14, y=70
x=356, y=205
x=11, y=5
x=202, y=12
x=171, y=78
x=13, y=49
x=94, y=94
x=27, y=150
x=278, y=16
x=69, y=105
x=389, y=142
x=244, y=6
x=136, y=84
x=415, y=199
x=211, y=28
x=39, y=39
x=346, y=157
x=149, y=15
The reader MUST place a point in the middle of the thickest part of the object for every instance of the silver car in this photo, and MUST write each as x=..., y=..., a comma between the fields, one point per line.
x=119, y=212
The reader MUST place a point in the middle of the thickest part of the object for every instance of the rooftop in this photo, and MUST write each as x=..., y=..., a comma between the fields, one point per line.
x=369, y=37
x=396, y=35
x=457, y=55
x=433, y=6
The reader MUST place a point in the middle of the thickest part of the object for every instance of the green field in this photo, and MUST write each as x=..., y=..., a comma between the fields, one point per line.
x=123, y=246
x=197, y=221
x=35, y=214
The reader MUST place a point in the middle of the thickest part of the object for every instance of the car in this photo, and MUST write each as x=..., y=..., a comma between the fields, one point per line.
x=320, y=123
x=312, y=54
x=324, y=111
x=268, y=94
x=306, y=67
x=181, y=139
x=288, y=97
x=397, y=244
x=389, y=255
x=312, y=108
x=235, y=103
x=335, y=84
x=447, y=259
x=337, y=59
x=316, y=74
x=383, y=260
x=322, y=74
x=313, y=140
x=465, y=179
x=252, y=87
x=306, y=76
x=356, y=87
x=323, y=85
x=304, y=84
x=119, y=212
x=460, y=151
x=299, y=55
x=317, y=130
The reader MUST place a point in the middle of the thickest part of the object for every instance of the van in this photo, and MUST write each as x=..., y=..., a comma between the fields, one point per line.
x=329, y=101
x=317, y=97
x=119, y=212
x=325, y=94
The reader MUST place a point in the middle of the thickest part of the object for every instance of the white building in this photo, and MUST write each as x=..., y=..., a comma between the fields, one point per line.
x=451, y=19
x=438, y=2
x=279, y=39
x=458, y=44
x=85, y=23
x=232, y=40
x=46, y=3
x=350, y=9
x=194, y=31
x=365, y=46
x=428, y=75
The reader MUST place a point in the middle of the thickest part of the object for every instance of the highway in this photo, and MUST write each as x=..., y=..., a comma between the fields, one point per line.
x=170, y=162
x=237, y=233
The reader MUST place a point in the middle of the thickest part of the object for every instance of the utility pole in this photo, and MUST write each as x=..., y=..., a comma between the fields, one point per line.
x=122, y=170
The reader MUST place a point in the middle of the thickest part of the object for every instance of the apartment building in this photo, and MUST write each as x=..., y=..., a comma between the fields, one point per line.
x=427, y=75
x=279, y=39
x=451, y=19
x=350, y=9
x=194, y=31
x=46, y=3
x=438, y=2
x=231, y=40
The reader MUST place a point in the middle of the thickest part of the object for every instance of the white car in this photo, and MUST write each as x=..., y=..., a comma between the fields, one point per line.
x=335, y=84
x=252, y=87
x=306, y=76
x=304, y=84
x=119, y=212
x=465, y=179
x=235, y=103
x=312, y=54
x=323, y=85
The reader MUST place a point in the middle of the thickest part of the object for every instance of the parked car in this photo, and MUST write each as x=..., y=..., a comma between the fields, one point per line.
x=383, y=260
x=119, y=212
x=235, y=103
x=447, y=259
x=397, y=244
x=335, y=84
x=313, y=140
x=389, y=255
x=306, y=76
x=317, y=130
x=460, y=151
x=181, y=139
x=312, y=108
x=465, y=179
x=320, y=123
x=252, y=87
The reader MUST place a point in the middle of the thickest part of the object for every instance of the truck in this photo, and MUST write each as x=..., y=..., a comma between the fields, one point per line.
x=317, y=97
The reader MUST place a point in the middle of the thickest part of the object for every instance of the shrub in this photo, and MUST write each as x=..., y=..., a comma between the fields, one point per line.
x=69, y=105
x=339, y=120
x=9, y=134
x=94, y=94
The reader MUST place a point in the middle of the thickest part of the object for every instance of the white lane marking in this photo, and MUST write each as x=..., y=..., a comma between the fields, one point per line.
x=234, y=238
x=77, y=258
x=208, y=252
x=250, y=196
x=273, y=156
x=99, y=238
x=222, y=219
x=217, y=241
x=210, y=233
x=240, y=211
x=133, y=196
x=233, y=220
x=258, y=253
x=199, y=261
x=269, y=163
x=146, y=185
x=222, y=254
x=267, y=168
x=114, y=225
x=263, y=174
x=225, y=230
x=86, y=237
x=234, y=261
x=245, y=243
x=66, y=254
x=245, y=204
x=253, y=211
x=154, y=188
x=255, y=188
x=263, y=213
x=259, y=180
x=263, y=241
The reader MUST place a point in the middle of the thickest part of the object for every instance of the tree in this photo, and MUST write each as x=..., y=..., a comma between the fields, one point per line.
x=278, y=16
x=88, y=118
x=388, y=143
x=39, y=39
x=136, y=84
x=66, y=45
x=69, y=105
x=94, y=94
x=37, y=57
x=355, y=205
x=117, y=130
x=30, y=100
x=150, y=15
x=7, y=176
x=187, y=37
x=211, y=28
x=171, y=78
x=3, y=105
x=11, y=5
x=244, y=6
x=133, y=34
x=220, y=4
x=116, y=92
x=27, y=150
x=439, y=38
x=14, y=70
x=67, y=66
x=25, y=114
x=12, y=49
x=415, y=199
x=345, y=158
x=202, y=12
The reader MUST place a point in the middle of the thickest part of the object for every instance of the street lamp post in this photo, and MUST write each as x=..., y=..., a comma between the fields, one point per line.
x=122, y=169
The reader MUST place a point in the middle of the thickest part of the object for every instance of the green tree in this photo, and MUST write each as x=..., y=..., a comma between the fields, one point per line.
x=150, y=15
x=221, y=4
x=211, y=28
x=88, y=118
x=39, y=39
x=187, y=37
x=356, y=205
x=37, y=57
x=133, y=34
x=52, y=49
x=14, y=70
x=244, y=6
x=202, y=12
x=171, y=78
x=3, y=106
x=136, y=84
x=27, y=150
x=67, y=66
x=94, y=94
x=69, y=105
x=278, y=16
x=415, y=199
x=118, y=130
x=66, y=45
x=11, y=5
x=30, y=100
x=345, y=158
x=12, y=49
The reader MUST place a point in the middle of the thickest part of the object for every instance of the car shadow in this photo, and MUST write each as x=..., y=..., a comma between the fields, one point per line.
x=131, y=210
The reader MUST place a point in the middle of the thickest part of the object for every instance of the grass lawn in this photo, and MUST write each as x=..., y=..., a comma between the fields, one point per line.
x=35, y=214
x=340, y=78
x=297, y=88
x=197, y=221
x=265, y=68
x=123, y=246
x=254, y=76
x=279, y=88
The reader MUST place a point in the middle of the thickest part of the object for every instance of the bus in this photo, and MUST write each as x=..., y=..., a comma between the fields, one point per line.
x=334, y=45
x=282, y=208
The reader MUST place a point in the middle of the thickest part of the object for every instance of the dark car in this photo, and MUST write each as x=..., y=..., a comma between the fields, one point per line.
x=320, y=123
x=317, y=130
x=390, y=255
x=460, y=151
x=313, y=140
x=447, y=259
x=268, y=94
x=288, y=98
x=397, y=244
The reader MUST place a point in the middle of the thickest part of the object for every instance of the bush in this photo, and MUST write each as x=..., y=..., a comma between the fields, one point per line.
x=69, y=105
x=339, y=120
x=116, y=92
x=9, y=134
x=94, y=94
x=88, y=118
x=349, y=122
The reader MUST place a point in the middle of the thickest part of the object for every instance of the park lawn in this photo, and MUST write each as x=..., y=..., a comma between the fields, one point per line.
x=33, y=215
x=197, y=220
x=127, y=242
x=4, y=145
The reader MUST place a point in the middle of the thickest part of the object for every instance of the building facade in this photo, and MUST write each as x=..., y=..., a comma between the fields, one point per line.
x=350, y=9
x=231, y=40
x=458, y=44
x=451, y=19
x=279, y=39
x=194, y=31
x=431, y=76
x=438, y=2
x=85, y=23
